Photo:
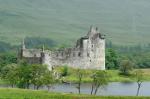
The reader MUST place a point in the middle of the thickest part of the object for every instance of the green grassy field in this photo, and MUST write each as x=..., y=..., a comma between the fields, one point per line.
x=114, y=75
x=124, y=22
x=30, y=94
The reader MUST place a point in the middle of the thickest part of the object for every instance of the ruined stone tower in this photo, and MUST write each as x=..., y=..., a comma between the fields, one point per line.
x=88, y=53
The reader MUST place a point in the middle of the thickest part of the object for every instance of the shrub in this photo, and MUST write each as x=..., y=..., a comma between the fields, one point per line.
x=64, y=71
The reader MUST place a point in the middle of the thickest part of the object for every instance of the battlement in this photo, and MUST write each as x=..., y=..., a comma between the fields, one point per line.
x=89, y=53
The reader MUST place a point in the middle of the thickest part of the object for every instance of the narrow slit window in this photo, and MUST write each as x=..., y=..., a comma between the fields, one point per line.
x=88, y=55
x=79, y=54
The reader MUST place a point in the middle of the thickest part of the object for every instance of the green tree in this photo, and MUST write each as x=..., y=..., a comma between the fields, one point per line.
x=10, y=74
x=139, y=79
x=7, y=58
x=111, y=59
x=24, y=74
x=38, y=75
x=100, y=79
x=126, y=66
x=79, y=76
x=48, y=79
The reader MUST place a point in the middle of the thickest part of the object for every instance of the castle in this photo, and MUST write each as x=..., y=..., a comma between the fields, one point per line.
x=88, y=53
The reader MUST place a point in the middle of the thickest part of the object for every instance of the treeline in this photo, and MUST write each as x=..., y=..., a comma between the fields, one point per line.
x=30, y=42
x=6, y=47
x=113, y=59
x=129, y=49
x=7, y=58
x=139, y=55
x=38, y=42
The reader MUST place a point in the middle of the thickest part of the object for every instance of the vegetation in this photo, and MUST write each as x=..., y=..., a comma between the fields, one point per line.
x=79, y=76
x=100, y=79
x=5, y=47
x=30, y=94
x=23, y=75
x=64, y=71
x=7, y=58
x=126, y=66
x=116, y=55
x=119, y=55
x=112, y=61
x=38, y=42
x=139, y=79
x=47, y=20
x=114, y=75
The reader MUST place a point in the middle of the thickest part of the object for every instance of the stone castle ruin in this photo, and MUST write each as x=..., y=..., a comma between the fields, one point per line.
x=89, y=53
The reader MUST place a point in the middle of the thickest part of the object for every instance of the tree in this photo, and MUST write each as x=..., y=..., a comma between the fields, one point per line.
x=24, y=74
x=111, y=59
x=100, y=79
x=9, y=73
x=139, y=79
x=7, y=58
x=126, y=66
x=40, y=75
x=80, y=76
x=17, y=74
x=48, y=79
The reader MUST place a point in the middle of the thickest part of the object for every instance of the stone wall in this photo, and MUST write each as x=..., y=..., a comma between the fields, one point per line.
x=89, y=53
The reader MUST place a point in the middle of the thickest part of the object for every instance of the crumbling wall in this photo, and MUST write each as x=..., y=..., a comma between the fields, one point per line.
x=89, y=53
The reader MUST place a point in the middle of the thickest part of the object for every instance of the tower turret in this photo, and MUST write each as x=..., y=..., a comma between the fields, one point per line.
x=23, y=47
x=23, y=44
x=43, y=48
x=42, y=56
x=92, y=31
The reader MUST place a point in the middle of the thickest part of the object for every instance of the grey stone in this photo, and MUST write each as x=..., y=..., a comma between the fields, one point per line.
x=89, y=53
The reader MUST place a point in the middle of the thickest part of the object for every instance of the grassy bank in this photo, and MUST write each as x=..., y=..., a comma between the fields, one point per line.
x=114, y=75
x=30, y=94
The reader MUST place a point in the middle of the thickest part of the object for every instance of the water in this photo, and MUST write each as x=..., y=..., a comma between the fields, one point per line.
x=115, y=88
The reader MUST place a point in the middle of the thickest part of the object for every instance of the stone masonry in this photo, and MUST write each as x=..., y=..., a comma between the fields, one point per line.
x=89, y=53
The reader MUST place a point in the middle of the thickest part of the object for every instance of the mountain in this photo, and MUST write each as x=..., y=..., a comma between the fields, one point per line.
x=124, y=22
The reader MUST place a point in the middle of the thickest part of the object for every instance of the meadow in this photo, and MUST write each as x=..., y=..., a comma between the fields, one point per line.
x=32, y=94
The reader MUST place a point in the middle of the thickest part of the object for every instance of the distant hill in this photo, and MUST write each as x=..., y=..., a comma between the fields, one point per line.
x=124, y=22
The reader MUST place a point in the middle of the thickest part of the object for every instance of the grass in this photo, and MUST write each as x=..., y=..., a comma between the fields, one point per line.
x=114, y=75
x=32, y=94
x=125, y=22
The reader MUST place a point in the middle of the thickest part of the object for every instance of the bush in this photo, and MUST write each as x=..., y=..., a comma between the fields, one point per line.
x=64, y=71
x=126, y=66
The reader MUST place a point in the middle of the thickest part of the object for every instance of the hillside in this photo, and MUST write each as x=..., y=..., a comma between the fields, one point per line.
x=124, y=22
